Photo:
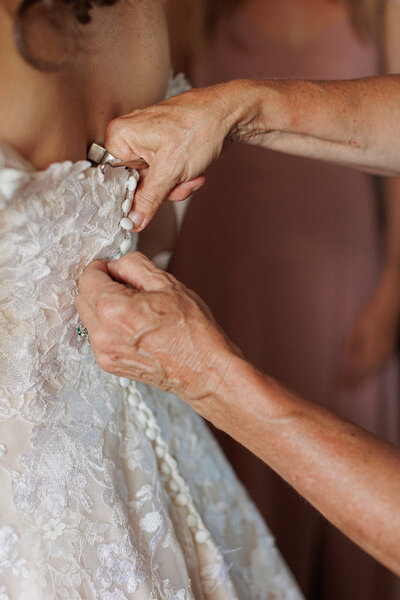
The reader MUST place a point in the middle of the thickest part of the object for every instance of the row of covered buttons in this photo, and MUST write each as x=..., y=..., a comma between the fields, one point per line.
x=125, y=223
x=176, y=485
x=100, y=156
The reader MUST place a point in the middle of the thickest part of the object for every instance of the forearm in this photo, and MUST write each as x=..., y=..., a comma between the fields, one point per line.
x=163, y=334
x=349, y=475
x=356, y=123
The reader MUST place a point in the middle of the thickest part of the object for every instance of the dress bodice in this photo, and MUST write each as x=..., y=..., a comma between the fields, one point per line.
x=109, y=491
x=53, y=223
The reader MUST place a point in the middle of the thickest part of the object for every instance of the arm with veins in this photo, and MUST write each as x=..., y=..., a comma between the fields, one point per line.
x=349, y=475
x=355, y=123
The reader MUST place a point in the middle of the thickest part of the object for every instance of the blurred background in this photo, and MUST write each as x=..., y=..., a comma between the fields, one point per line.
x=299, y=260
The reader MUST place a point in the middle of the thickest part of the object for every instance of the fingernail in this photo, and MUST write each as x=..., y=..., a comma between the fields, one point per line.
x=137, y=219
x=196, y=189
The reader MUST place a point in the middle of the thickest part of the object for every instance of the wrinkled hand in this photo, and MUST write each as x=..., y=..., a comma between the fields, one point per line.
x=145, y=325
x=178, y=138
x=374, y=336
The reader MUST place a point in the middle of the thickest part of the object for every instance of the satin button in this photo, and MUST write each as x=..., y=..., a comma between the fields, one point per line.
x=126, y=224
x=181, y=499
x=141, y=417
x=160, y=452
x=127, y=205
x=133, y=400
x=125, y=246
x=173, y=486
x=192, y=521
x=151, y=433
x=201, y=536
x=172, y=462
x=132, y=183
x=165, y=468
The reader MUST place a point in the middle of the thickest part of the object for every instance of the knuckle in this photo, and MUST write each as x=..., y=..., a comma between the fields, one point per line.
x=166, y=302
x=168, y=281
x=105, y=309
x=113, y=311
x=123, y=313
x=117, y=138
x=161, y=280
x=113, y=126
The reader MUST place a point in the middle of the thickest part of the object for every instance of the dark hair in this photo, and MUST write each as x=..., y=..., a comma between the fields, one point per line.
x=58, y=14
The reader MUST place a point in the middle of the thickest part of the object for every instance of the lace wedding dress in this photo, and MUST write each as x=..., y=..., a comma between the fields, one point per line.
x=108, y=490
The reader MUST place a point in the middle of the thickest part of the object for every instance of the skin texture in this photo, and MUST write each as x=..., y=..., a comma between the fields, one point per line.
x=152, y=329
x=139, y=325
x=355, y=123
x=294, y=24
x=53, y=117
x=160, y=333
x=120, y=63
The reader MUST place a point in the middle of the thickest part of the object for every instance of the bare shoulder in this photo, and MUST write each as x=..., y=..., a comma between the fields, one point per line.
x=33, y=104
x=121, y=63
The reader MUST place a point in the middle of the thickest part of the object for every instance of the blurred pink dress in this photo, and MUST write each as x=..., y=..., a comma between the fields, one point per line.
x=285, y=251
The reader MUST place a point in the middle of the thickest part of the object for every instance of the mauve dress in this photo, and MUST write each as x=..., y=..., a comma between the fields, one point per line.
x=285, y=251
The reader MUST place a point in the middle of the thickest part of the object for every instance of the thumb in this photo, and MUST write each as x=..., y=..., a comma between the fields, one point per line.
x=151, y=193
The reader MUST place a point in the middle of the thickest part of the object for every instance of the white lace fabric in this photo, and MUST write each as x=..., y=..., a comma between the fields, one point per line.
x=85, y=511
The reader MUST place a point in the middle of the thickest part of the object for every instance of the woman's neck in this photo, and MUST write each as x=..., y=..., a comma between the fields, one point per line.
x=122, y=64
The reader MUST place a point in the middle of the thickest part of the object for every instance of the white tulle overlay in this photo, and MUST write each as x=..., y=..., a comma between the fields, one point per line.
x=108, y=490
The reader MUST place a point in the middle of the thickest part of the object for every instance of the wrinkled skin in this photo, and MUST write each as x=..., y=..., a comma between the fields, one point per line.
x=334, y=121
x=178, y=138
x=150, y=328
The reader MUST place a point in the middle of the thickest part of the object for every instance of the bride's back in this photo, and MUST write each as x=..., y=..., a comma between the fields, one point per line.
x=120, y=63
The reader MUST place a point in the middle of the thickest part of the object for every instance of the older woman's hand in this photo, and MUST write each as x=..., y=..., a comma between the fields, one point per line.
x=151, y=328
x=178, y=138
